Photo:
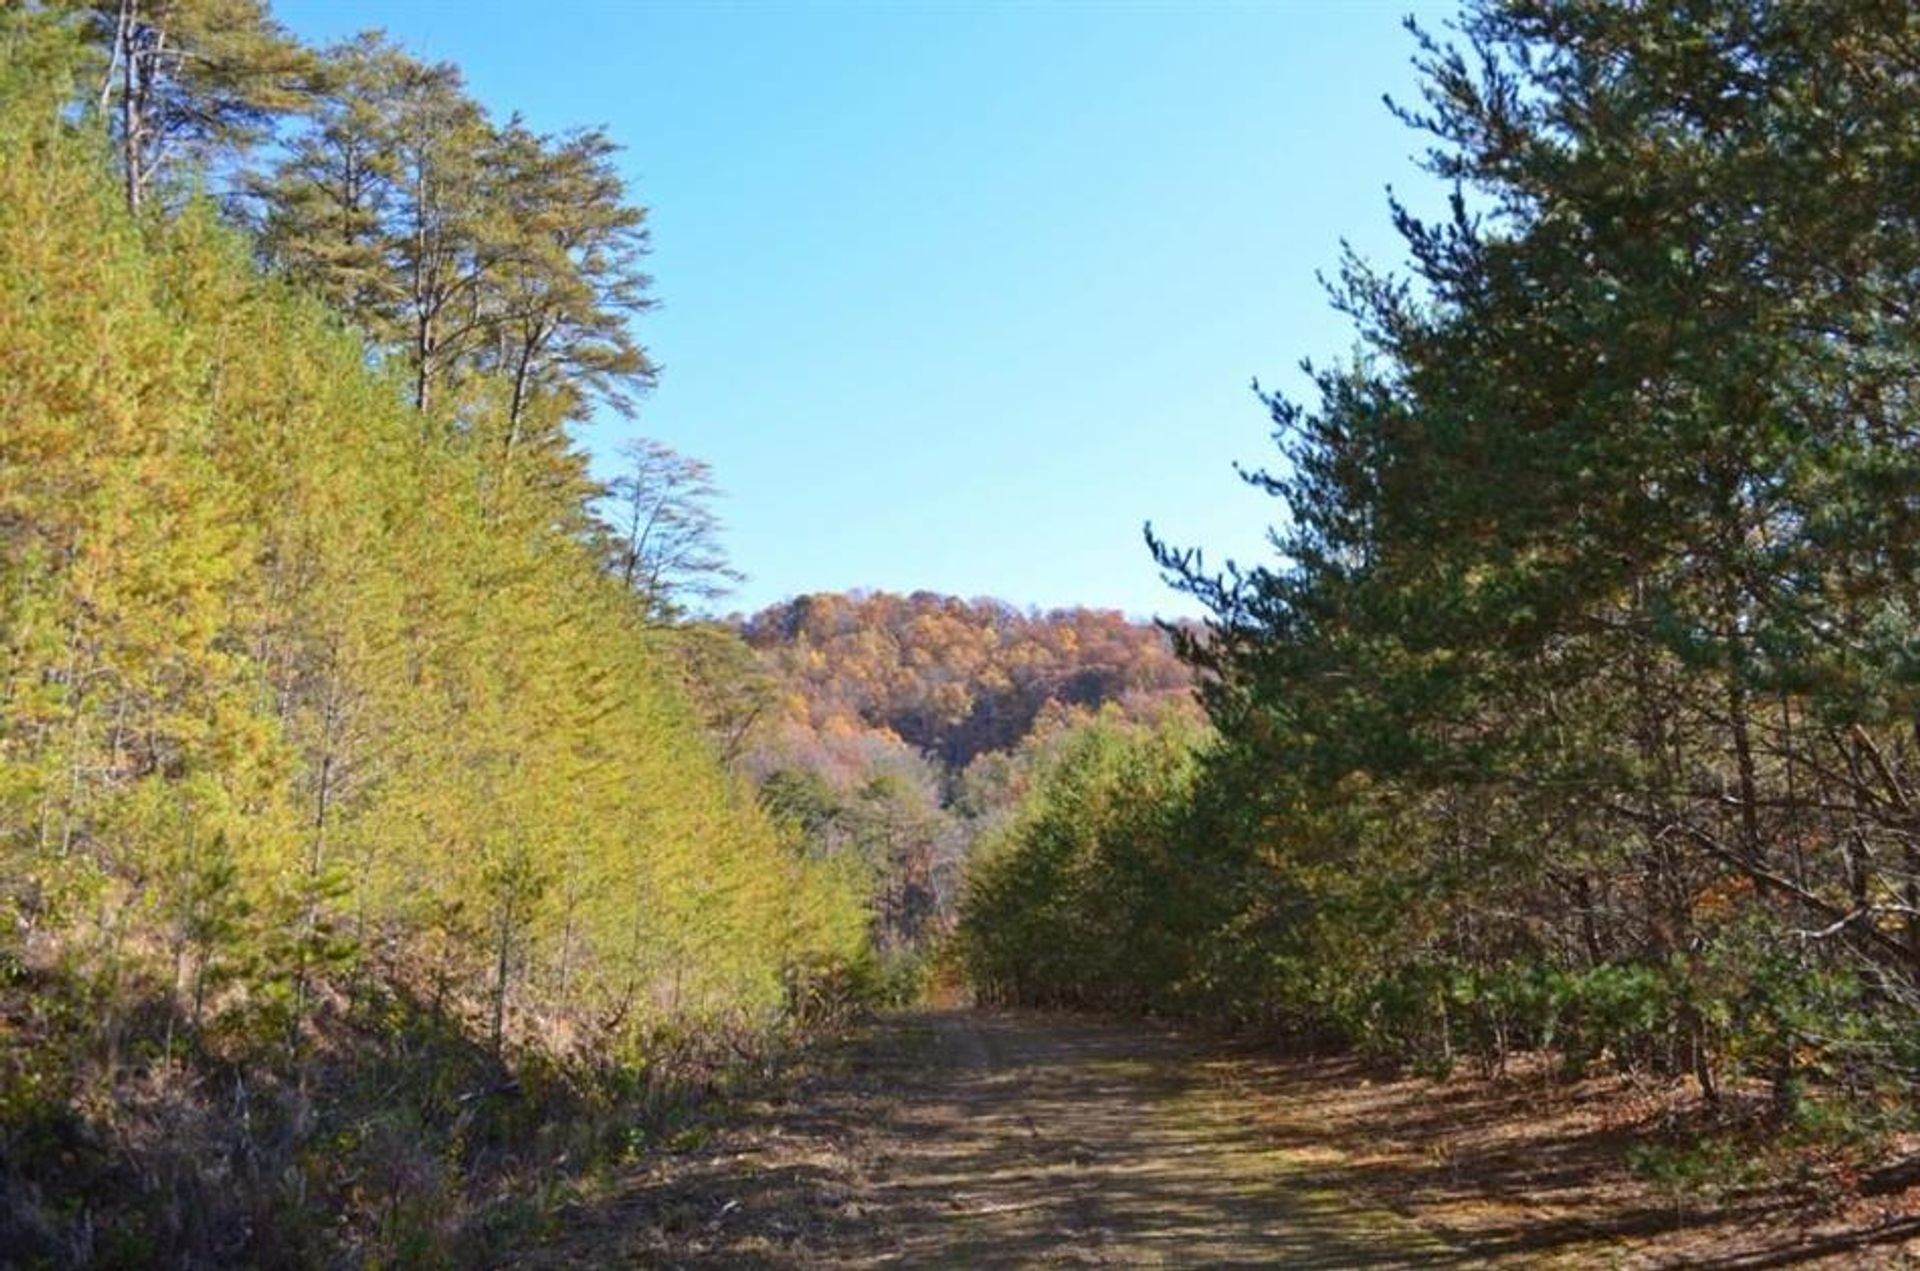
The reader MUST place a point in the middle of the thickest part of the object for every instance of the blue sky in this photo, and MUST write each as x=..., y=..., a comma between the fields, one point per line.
x=957, y=296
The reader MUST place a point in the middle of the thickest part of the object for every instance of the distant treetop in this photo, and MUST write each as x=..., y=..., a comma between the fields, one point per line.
x=955, y=677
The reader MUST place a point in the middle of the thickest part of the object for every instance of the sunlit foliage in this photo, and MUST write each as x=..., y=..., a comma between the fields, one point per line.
x=318, y=707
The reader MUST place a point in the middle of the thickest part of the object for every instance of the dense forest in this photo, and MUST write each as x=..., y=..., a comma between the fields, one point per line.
x=957, y=679
x=1578, y=710
x=363, y=852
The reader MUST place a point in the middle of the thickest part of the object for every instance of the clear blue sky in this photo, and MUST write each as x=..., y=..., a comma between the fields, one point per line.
x=957, y=296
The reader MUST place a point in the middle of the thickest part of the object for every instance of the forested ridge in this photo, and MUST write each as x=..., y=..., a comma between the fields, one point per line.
x=1577, y=713
x=954, y=678
x=897, y=732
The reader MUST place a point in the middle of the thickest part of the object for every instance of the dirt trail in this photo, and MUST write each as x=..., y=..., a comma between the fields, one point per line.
x=981, y=1139
x=976, y=1139
x=1041, y=1139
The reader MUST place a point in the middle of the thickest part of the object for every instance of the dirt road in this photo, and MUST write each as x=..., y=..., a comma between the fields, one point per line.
x=989, y=1140
x=972, y=1139
x=1041, y=1139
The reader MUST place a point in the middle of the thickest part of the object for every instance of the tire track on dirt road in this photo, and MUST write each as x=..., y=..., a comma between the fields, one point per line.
x=981, y=1139
x=1040, y=1139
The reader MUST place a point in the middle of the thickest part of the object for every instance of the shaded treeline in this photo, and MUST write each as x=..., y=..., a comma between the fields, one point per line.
x=1579, y=708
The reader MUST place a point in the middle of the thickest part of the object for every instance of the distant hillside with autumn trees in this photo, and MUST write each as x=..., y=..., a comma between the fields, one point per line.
x=894, y=731
x=956, y=678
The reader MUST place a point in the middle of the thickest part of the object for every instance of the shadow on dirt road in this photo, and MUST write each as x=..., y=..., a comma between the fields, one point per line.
x=981, y=1139
x=1051, y=1139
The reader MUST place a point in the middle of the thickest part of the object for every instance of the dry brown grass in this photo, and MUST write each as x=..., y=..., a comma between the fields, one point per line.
x=1527, y=1169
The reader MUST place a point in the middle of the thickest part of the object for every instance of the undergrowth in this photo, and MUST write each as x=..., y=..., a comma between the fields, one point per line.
x=387, y=1134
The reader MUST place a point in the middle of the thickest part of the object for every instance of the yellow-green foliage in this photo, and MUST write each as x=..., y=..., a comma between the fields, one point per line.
x=295, y=679
x=1090, y=896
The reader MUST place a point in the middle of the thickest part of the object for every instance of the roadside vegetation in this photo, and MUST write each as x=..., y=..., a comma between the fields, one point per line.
x=362, y=865
x=391, y=840
x=1577, y=715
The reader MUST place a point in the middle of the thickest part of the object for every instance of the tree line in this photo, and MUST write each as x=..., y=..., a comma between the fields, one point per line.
x=348, y=772
x=1578, y=709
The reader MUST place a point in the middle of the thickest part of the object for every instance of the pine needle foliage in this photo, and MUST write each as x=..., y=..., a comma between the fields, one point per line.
x=1577, y=708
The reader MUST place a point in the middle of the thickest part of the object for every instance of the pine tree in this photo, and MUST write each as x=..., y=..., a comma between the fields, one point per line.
x=571, y=282
x=1566, y=626
x=197, y=81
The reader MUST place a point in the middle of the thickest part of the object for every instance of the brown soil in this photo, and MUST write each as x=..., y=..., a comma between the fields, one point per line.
x=996, y=1139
